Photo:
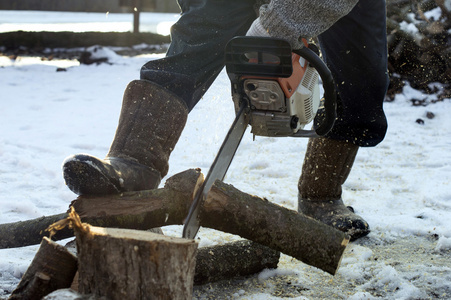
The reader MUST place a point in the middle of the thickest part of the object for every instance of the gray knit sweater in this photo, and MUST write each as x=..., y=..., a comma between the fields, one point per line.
x=292, y=19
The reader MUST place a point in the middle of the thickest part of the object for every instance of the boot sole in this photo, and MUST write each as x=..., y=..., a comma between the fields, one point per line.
x=85, y=178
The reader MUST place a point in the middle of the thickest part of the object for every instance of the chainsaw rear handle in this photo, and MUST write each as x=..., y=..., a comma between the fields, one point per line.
x=330, y=95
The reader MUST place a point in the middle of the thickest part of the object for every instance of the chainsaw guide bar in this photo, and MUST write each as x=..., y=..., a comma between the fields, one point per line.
x=217, y=170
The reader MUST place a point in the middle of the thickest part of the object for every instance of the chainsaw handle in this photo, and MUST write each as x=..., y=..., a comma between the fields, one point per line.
x=330, y=95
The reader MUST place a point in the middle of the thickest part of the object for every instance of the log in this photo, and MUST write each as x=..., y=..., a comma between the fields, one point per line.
x=143, y=209
x=52, y=268
x=133, y=264
x=240, y=258
x=30, y=232
x=308, y=240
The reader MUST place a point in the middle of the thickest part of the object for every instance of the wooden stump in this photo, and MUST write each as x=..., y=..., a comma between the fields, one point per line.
x=222, y=262
x=131, y=264
x=52, y=268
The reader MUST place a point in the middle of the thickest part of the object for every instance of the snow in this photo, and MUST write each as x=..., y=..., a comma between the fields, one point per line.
x=409, y=27
x=434, y=14
x=402, y=187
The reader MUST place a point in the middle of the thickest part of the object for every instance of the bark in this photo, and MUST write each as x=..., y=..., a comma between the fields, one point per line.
x=52, y=268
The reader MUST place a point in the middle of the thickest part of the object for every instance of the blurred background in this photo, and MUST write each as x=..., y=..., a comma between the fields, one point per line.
x=418, y=33
x=113, y=6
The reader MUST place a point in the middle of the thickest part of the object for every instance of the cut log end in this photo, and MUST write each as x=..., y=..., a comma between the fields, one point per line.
x=132, y=264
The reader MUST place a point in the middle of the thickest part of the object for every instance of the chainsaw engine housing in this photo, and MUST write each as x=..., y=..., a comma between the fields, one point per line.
x=279, y=86
x=275, y=114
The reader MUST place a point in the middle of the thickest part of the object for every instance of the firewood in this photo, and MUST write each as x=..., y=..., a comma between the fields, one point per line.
x=52, y=268
x=133, y=264
x=310, y=241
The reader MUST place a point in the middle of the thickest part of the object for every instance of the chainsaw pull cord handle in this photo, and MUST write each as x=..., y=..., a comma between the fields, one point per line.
x=330, y=95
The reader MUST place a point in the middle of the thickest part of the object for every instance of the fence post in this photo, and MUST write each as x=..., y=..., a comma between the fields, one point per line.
x=136, y=11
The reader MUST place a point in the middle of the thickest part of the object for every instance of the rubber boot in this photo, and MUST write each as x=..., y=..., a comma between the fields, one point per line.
x=326, y=167
x=150, y=124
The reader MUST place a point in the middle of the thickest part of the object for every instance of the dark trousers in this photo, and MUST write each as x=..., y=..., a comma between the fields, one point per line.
x=354, y=48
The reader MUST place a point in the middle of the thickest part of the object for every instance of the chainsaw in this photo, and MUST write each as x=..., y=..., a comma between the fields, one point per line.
x=275, y=90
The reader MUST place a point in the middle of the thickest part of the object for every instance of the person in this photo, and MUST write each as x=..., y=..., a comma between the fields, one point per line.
x=352, y=38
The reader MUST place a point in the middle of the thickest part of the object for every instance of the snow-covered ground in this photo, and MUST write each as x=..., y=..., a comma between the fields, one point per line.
x=402, y=187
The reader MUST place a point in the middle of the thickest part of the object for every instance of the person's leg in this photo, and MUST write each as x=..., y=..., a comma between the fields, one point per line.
x=155, y=108
x=150, y=123
x=355, y=50
x=196, y=54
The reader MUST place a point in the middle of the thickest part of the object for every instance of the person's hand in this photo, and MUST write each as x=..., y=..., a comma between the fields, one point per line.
x=257, y=29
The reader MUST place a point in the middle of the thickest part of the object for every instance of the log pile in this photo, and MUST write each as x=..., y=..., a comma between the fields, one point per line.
x=419, y=46
x=269, y=228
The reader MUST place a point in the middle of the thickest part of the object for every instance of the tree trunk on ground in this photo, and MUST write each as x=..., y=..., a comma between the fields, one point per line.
x=52, y=268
